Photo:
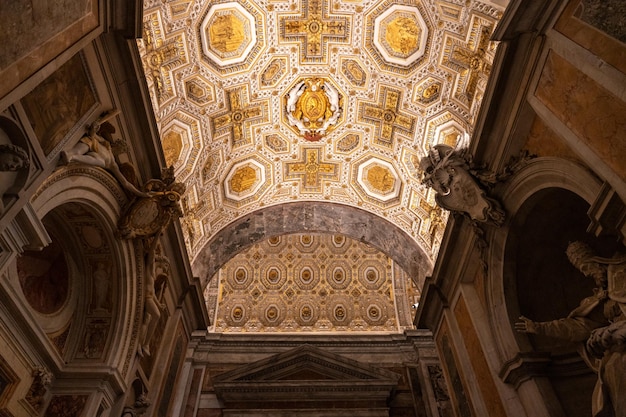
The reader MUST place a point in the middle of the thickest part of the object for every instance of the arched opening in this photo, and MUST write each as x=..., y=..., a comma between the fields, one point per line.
x=317, y=217
x=71, y=285
x=543, y=286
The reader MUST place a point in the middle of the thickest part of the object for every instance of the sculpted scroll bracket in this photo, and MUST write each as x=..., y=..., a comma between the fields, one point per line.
x=146, y=218
x=462, y=186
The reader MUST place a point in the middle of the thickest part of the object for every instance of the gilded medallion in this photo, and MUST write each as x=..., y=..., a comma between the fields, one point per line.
x=313, y=108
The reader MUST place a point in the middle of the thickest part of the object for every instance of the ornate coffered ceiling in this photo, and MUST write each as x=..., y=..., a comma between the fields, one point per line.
x=311, y=282
x=267, y=102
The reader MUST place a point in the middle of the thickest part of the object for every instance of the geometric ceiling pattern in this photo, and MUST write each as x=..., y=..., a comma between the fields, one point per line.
x=267, y=102
x=311, y=283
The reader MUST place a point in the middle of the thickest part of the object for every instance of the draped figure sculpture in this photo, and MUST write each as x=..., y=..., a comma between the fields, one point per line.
x=598, y=324
x=95, y=149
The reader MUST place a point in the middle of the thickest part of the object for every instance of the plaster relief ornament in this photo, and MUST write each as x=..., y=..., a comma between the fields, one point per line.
x=313, y=107
x=148, y=216
x=448, y=172
x=42, y=378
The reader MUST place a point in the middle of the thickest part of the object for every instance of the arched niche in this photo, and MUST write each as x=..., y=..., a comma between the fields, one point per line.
x=70, y=286
x=529, y=274
x=79, y=207
x=313, y=217
x=534, y=184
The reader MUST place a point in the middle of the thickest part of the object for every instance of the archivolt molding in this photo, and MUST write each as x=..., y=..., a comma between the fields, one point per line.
x=101, y=195
x=83, y=184
x=319, y=217
x=539, y=174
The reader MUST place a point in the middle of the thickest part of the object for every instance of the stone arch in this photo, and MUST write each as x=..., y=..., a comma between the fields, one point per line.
x=83, y=204
x=547, y=204
x=539, y=175
x=313, y=217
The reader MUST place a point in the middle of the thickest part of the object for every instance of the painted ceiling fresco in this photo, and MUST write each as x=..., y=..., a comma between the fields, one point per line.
x=267, y=102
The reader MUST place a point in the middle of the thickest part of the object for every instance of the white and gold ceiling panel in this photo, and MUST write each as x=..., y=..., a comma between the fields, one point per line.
x=378, y=180
x=450, y=11
x=274, y=71
x=277, y=143
x=447, y=128
x=428, y=91
x=199, y=90
x=387, y=116
x=397, y=35
x=180, y=137
x=398, y=76
x=311, y=171
x=400, y=35
x=246, y=181
x=239, y=116
x=348, y=143
x=230, y=35
x=314, y=29
x=211, y=167
x=352, y=69
x=470, y=58
x=435, y=218
x=179, y=9
x=162, y=52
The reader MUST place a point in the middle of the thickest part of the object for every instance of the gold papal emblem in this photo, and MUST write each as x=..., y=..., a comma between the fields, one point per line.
x=313, y=107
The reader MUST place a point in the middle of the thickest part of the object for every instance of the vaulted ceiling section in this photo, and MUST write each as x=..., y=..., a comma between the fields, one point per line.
x=262, y=103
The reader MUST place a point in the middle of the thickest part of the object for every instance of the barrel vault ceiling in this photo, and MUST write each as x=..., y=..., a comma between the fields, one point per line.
x=267, y=102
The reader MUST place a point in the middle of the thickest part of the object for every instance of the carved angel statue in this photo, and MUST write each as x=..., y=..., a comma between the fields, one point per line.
x=448, y=172
x=153, y=304
x=598, y=324
x=95, y=149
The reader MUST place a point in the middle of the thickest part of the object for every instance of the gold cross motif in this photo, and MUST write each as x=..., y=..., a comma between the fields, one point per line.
x=469, y=60
x=162, y=56
x=311, y=170
x=386, y=116
x=434, y=214
x=314, y=29
x=240, y=114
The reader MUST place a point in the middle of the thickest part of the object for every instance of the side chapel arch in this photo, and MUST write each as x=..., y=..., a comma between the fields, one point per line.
x=540, y=174
x=97, y=194
x=547, y=202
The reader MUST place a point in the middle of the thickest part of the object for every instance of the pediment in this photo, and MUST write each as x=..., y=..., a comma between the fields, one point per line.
x=307, y=374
